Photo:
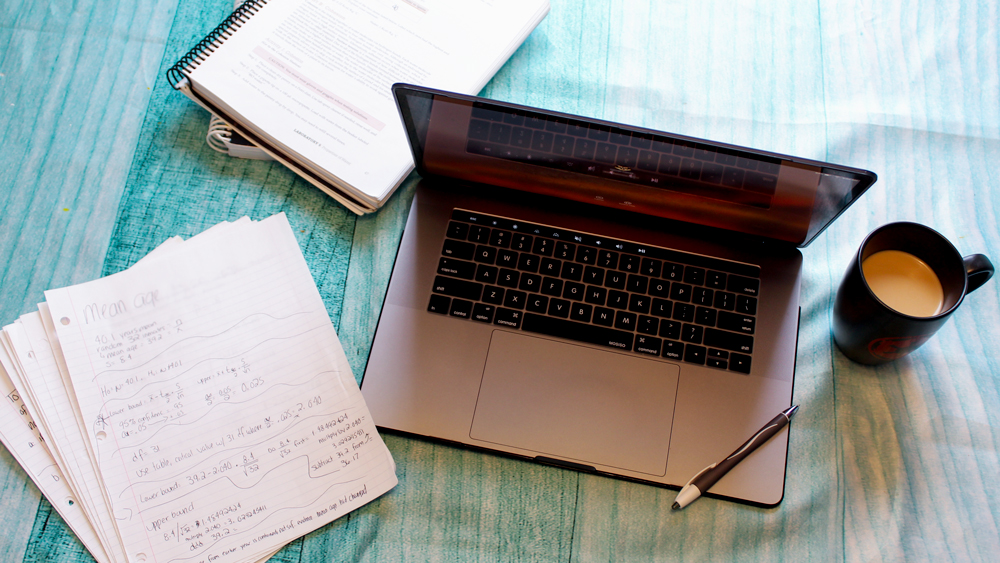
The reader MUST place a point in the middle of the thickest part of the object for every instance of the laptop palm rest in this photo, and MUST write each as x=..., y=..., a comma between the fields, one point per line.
x=576, y=403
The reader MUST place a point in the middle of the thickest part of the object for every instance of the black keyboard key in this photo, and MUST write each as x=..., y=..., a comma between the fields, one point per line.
x=648, y=344
x=508, y=317
x=458, y=288
x=607, y=259
x=595, y=295
x=543, y=246
x=528, y=262
x=715, y=280
x=670, y=329
x=500, y=238
x=673, y=272
x=659, y=288
x=744, y=285
x=479, y=234
x=564, y=251
x=506, y=258
x=647, y=325
x=746, y=305
x=493, y=294
x=725, y=300
x=521, y=242
x=672, y=350
x=573, y=290
x=615, y=279
x=515, y=299
x=487, y=274
x=740, y=363
x=537, y=304
x=593, y=275
x=694, y=276
x=694, y=354
x=439, y=304
x=456, y=268
x=550, y=267
x=705, y=316
x=578, y=331
x=625, y=320
x=508, y=278
x=737, y=323
x=552, y=286
x=661, y=308
x=692, y=333
x=638, y=303
x=460, y=308
x=457, y=230
x=630, y=263
x=458, y=249
x=559, y=308
x=617, y=299
x=742, y=343
x=604, y=316
x=702, y=296
x=486, y=254
x=684, y=312
x=530, y=282
x=572, y=271
x=716, y=363
x=680, y=292
x=651, y=267
x=586, y=255
x=637, y=284
x=580, y=312
x=483, y=313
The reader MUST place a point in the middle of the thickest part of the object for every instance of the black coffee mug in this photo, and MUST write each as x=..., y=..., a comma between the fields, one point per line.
x=872, y=324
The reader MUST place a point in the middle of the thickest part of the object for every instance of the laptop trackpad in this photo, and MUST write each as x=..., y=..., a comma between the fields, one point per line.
x=591, y=406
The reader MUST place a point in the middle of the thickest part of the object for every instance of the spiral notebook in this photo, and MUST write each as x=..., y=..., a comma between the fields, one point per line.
x=309, y=82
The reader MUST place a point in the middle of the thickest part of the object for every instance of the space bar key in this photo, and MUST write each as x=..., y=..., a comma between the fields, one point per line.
x=590, y=334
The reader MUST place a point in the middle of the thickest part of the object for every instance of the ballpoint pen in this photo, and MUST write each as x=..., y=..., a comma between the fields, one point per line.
x=707, y=477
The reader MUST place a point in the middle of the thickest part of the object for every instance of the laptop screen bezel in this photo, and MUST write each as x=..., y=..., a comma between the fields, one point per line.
x=409, y=96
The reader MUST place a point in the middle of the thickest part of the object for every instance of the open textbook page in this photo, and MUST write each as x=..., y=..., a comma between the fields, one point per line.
x=309, y=80
x=199, y=403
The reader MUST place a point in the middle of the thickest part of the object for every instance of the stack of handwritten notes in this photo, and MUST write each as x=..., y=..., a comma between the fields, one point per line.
x=195, y=407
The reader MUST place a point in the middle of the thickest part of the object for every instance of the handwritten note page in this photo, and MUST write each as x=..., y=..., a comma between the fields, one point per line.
x=20, y=435
x=216, y=398
x=50, y=404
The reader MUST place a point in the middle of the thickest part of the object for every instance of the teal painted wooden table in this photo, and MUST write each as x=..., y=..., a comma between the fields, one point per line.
x=101, y=161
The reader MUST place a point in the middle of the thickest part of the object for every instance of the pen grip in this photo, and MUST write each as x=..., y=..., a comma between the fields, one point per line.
x=709, y=478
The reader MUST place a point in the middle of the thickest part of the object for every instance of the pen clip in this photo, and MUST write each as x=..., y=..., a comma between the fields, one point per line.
x=698, y=474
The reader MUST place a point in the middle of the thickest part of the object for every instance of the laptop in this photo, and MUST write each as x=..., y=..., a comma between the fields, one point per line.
x=596, y=296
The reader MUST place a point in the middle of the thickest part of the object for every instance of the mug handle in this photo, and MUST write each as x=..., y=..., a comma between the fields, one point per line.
x=978, y=270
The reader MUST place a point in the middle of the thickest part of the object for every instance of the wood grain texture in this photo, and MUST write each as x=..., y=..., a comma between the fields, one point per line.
x=75, y=79
x=895, y=463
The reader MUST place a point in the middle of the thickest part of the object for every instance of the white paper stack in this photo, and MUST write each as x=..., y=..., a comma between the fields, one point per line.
x=197, y=406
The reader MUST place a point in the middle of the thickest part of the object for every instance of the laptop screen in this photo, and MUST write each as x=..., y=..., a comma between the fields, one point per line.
x=615, y=165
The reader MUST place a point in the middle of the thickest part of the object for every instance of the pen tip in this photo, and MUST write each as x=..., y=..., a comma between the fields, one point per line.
x=676, y=506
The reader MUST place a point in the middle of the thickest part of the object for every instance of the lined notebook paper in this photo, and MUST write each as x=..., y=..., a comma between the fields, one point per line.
x=197, y=406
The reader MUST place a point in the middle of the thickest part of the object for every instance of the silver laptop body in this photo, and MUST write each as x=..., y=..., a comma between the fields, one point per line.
x=597, y=296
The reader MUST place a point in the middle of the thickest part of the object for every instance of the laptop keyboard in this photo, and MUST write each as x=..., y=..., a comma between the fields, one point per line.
x=635, y=298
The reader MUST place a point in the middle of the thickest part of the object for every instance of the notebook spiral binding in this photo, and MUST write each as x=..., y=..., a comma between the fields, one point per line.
x=212, y=41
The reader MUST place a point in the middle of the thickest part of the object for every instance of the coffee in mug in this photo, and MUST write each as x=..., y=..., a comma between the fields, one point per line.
x=904, y=282
x=902, y=285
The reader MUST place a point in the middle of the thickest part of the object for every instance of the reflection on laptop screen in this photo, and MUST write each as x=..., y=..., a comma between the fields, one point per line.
x=650, y=172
